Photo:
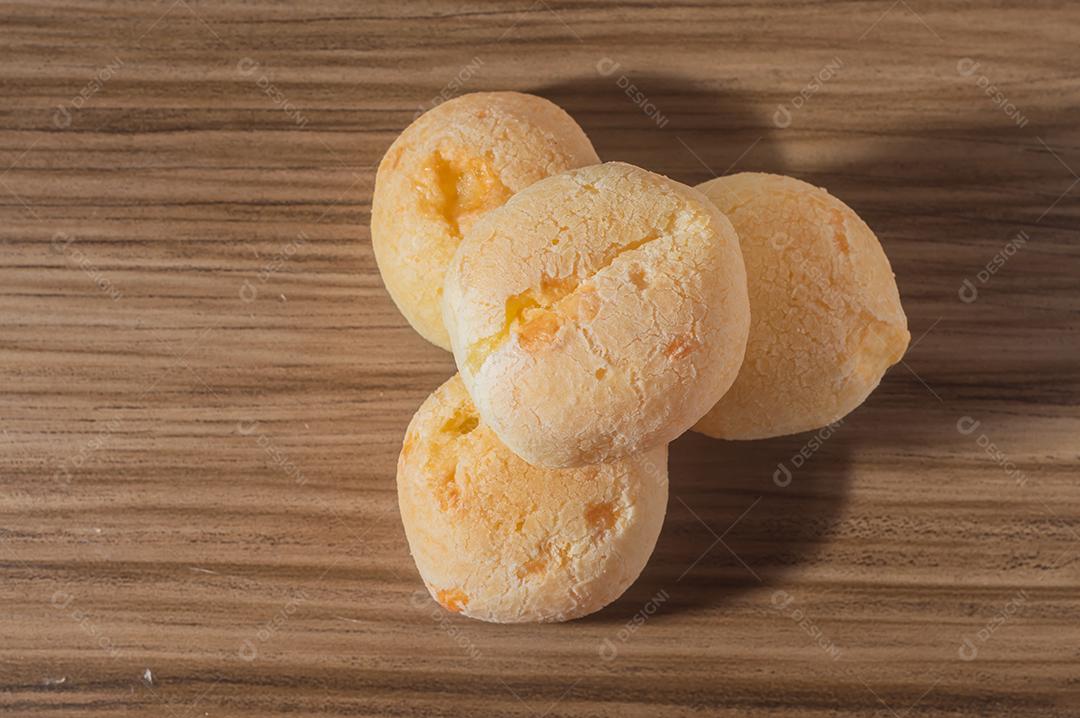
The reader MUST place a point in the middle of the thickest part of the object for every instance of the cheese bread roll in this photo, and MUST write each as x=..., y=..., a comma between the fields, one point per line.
x=597, y=314
x=453, y=164
x=499, y=540
x=827, y=320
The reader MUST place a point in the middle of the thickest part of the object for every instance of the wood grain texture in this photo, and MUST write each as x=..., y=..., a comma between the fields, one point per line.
x=205, y=385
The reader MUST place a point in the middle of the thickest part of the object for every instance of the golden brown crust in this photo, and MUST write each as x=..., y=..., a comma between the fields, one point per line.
x=453, y=164
x=827, y=320
x=598, y=313
x=499, y=540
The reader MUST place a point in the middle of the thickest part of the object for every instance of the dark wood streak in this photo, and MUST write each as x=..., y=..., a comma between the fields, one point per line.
x=229, y=520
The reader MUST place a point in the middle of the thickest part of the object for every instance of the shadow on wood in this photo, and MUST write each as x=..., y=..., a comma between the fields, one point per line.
x=690, y=131
x=740, y=514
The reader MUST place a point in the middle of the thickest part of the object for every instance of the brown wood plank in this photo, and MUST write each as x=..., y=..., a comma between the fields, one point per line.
x=197, y=506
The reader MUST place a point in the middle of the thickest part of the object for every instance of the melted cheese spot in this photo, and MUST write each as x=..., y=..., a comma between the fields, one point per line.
x=601, y=516
x=479, y=351
x=452, y=599
x=462, y=422
x=409, y=444
x=459, y=189
x=550, y=293
x=524, y=309
x=447, y=492
x=681, y=347
x=531, y=567
x=538, y=331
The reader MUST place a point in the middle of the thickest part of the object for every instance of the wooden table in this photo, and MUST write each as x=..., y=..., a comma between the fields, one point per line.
x=205, y=385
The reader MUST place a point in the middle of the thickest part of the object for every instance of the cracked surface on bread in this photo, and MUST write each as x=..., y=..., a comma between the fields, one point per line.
x=514, y=542
x=446, y=170
x=826, y=314
x=597, y=313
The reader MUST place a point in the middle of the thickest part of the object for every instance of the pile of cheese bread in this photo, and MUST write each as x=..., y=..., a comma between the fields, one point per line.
x=596, y=311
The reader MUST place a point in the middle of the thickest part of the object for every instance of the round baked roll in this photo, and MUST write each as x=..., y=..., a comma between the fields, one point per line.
x=826, y=315
x=499, y=540
x=598, y=313
x=453, y=164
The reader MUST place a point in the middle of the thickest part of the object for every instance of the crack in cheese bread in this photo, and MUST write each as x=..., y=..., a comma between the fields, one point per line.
x=827, y=320
x=499, y=540
x=453, y=164
x=596, y=314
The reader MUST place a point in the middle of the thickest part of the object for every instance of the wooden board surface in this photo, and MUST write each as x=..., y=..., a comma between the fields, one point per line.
x=205, y=386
